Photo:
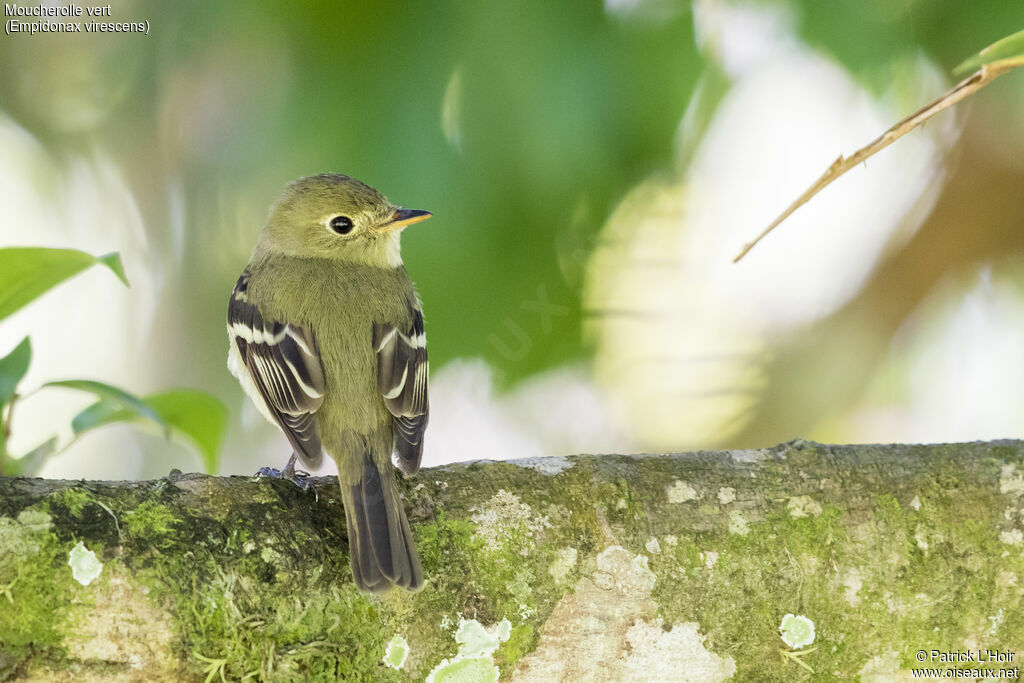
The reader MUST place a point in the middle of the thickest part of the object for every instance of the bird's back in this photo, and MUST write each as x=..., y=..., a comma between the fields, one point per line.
x=320, y=297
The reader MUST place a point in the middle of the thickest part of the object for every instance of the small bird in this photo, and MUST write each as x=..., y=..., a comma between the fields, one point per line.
x=326, y=337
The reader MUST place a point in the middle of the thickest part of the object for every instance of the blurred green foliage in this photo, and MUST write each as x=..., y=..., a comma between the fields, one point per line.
x=557, y=109
x=868, y=34
x=561, y=109
x=1010, y=47
x=196, y=415
x=25, y=275
x=28, y=272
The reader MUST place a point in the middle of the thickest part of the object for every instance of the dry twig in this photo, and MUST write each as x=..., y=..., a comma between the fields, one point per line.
x=970, y=85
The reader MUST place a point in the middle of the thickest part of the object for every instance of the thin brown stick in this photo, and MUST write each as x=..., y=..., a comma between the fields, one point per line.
x=976, y=81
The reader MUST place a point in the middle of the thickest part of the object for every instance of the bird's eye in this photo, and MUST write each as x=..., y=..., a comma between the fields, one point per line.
x=341, y=225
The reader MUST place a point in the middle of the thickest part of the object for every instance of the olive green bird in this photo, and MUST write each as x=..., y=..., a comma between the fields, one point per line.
x=326, y=337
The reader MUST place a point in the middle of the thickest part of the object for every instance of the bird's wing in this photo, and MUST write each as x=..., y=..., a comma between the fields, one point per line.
x=284, y=364
x=402, y=373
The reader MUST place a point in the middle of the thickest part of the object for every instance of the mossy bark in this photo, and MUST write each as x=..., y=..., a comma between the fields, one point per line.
x=673, y=567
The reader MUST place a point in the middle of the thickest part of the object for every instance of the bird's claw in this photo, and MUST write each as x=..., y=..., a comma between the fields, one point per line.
x=297, y=477
x=300, y=478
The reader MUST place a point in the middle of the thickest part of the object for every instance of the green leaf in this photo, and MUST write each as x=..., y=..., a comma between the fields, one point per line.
x=1010, y=47
x=99, y=414
x=115, y=398
x=199, y=416
x=113, y=261
x=194, y=414
x=13, y=367
x=28, y=272
x=32, y=462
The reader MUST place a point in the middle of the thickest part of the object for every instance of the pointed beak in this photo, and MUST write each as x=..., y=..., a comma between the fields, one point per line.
x=403, y=218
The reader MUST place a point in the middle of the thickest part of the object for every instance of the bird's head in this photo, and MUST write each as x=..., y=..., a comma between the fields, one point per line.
x=337, y=217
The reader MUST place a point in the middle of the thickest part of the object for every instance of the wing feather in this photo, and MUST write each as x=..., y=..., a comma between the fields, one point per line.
x=284, y=365
x=402, y=376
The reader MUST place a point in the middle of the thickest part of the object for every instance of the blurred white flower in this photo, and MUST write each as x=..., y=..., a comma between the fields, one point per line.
x=955, y=369
x=563, y=410
x=557, y=412
x=648, y=11
x=774, y=134
x=683, y=335
x=467, y=421
x=740, y=36
x=678, y=365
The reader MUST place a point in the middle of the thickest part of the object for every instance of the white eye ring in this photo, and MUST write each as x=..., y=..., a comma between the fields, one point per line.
x=340, y=225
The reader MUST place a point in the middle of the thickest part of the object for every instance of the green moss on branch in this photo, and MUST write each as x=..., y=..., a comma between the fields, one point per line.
x=688, y=560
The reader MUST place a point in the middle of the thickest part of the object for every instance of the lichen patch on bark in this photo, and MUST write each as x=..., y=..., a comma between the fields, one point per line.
x=680, y=492
x=119, y=632
x=607, y=630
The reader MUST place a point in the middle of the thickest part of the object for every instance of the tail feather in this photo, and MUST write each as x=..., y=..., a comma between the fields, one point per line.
x=380, y=541
x=366, y=574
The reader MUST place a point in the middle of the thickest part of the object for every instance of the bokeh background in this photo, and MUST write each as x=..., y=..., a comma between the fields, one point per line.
x=592, y=168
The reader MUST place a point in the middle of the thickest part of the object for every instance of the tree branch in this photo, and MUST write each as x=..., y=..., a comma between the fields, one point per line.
x=629, y=567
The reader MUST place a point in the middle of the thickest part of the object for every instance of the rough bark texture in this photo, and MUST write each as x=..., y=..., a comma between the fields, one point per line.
x=673, y=567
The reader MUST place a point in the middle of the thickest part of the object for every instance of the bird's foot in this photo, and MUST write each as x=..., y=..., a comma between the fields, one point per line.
x=298, y=477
